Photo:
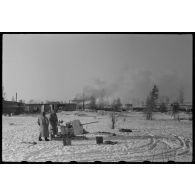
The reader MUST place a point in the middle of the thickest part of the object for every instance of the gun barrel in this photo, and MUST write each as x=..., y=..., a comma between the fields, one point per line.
x=90, y=123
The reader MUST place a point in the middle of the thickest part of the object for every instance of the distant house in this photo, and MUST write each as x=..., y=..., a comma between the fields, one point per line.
x=12, y=107
x=9, y=107
x=37, y=108
x=21, y=107
x=80, y=104
x=128, y=107
x=138, y=109
x=32, y=108
x=186, y=106
x=67, y=107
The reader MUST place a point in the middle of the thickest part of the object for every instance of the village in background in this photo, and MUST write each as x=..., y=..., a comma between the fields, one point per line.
x=162, y=104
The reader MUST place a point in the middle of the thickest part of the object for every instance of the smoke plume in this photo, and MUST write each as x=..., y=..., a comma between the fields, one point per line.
x=133, y=86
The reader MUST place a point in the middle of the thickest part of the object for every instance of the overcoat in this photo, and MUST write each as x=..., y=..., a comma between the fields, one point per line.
x=53, y=121
x=43, y=122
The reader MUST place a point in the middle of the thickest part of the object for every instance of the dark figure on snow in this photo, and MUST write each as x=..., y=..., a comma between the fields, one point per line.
x=53, y=121
x=43, y=122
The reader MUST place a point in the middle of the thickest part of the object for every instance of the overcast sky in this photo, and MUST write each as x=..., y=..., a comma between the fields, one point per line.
x=59, y=67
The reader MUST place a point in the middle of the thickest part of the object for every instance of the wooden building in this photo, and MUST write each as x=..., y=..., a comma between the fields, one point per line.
x=67, y=107
x=12, y=107
x=9, y=107
x=37, y=108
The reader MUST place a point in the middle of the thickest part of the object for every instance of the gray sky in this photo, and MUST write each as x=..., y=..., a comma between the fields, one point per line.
x=58, y=67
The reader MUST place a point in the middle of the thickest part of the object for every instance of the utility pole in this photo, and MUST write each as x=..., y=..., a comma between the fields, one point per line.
x=16, y=96
x=83, y=102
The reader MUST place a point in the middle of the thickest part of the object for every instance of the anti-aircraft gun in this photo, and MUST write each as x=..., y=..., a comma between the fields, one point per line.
x=74, y=128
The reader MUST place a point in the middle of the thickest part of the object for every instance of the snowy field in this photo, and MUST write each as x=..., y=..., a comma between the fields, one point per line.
x=159, y=140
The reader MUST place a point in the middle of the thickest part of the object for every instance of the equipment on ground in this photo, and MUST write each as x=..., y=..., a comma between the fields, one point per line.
x=66, y=141
x=74, y=128
x=99, y=140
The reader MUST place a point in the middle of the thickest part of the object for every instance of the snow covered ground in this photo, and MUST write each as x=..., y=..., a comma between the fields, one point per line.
x=161, y=139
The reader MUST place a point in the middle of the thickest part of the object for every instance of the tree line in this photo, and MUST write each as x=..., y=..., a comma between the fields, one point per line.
x=116, y=105
x=152, y=100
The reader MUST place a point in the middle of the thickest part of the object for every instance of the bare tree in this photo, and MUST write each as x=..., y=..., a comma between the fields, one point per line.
x=181, y=96
x=113, y=119
x=92, y=103
x=116, y=105
x=175, y=109
x=148, y=109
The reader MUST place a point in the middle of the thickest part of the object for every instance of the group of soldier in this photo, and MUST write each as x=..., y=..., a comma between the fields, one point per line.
x=48, y=126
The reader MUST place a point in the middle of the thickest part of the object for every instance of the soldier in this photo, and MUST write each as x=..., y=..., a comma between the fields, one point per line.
x=53, y=121
x=43, y=122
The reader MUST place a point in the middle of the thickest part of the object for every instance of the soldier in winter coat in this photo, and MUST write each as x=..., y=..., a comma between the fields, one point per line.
x=43, y=122
x=53, y=121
